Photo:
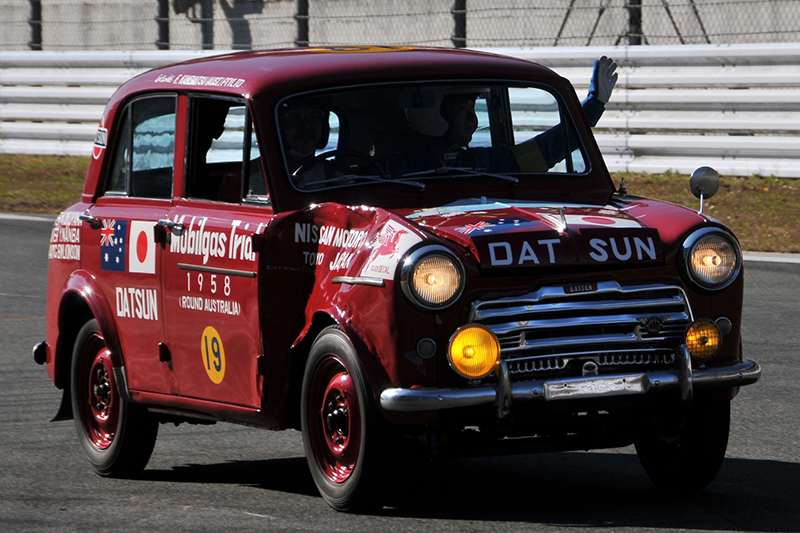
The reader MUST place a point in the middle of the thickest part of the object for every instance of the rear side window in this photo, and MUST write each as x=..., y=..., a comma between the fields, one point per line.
x=223, y=157
x=144, y=150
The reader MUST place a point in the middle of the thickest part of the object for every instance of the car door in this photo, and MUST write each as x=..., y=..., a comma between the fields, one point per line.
x=119, y=246
x=210, y=279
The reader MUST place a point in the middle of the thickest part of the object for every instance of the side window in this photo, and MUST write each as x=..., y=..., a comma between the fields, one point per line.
x=333, y=137
x=536, y=113
x=144, y=151
x=483, y=134
x=224, y=162
x=256, y=185
x=118, y=173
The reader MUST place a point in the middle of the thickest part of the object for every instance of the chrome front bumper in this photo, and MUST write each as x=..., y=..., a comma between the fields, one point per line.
x=681, y=379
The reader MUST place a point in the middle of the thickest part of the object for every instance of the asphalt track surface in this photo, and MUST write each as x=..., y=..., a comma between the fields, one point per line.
x=232, y=478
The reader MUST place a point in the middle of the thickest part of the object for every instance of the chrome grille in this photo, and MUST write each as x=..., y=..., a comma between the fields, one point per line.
x=545, y=331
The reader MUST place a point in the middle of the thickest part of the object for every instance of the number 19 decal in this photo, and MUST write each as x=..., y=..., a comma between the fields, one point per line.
x=213, y=355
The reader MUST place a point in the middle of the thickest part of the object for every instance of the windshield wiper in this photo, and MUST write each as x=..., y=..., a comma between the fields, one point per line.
x=460, y=171
x=374, y=177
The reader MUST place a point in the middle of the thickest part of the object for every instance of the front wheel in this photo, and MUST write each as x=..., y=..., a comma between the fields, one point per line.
x=341, y=430
x=117, y=437
x=685, y=452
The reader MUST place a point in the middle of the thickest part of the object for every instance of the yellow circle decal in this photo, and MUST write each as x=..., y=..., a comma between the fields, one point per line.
x=213, y=355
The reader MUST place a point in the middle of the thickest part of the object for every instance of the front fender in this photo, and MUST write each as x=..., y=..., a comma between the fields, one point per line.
x=376, y=373
x=333, y=264
x=357, y=251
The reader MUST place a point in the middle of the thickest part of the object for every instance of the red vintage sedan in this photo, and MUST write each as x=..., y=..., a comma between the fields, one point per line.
x=405, y=253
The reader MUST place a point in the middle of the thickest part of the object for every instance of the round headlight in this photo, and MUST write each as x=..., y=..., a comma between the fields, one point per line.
x=474, y=351
x=703, y=340
x=432, y=277
x=712, y=258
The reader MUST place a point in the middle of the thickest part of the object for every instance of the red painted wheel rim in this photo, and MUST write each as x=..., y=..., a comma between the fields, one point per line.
x=334, y=419
x=98, y=399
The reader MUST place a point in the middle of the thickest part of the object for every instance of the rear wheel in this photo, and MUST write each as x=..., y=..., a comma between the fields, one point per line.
x=686, y=452
x=342, y=433
x=117, y=437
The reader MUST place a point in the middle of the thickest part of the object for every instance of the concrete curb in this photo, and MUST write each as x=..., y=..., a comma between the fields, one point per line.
x=35, y=218
x=769, y=257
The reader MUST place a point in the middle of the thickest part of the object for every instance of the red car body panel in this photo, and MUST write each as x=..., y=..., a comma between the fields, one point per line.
x=213, y=322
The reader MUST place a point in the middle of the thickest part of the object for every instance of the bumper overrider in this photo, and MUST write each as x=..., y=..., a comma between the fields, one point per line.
x=681, y=379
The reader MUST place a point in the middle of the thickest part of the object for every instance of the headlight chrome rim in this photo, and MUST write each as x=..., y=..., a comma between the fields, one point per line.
x=690, y=247
x=412, y=261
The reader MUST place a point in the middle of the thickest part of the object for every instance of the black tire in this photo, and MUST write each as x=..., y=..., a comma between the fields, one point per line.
x=686, y=452
x=342, y=432
x=118, y=437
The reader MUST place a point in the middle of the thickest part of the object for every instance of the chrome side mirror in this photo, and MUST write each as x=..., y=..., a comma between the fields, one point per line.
x=704, y=184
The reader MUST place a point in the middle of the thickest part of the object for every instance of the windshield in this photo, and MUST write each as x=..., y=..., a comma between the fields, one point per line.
x=409, y=135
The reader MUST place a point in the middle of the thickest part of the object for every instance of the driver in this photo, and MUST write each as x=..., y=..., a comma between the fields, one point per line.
x=448, y=130
x=305, y=129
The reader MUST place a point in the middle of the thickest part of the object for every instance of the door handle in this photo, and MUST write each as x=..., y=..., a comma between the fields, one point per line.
x=93, y=221
x=176, y=228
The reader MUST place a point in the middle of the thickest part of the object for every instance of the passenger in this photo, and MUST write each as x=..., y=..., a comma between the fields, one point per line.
x=454, y=121
x=305, y=130
x=209, y=116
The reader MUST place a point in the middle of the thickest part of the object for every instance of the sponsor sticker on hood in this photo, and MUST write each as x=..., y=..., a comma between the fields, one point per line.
x=393, y=241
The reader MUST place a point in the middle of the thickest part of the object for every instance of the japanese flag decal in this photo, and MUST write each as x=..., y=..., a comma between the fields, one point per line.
x=141, y=248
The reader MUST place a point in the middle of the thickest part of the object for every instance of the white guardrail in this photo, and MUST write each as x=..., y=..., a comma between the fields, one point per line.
x=733, y=107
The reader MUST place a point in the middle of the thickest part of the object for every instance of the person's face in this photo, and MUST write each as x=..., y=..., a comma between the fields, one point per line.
x=302, y=129
x=460, y=115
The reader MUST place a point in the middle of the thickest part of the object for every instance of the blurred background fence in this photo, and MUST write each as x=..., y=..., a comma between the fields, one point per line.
x=701, y=81
x=735, y=107
x=60, y=25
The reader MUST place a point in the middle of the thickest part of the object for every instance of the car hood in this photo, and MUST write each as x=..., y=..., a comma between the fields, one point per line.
x=530, y=234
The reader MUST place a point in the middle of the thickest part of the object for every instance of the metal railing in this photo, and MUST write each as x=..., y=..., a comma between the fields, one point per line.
x=733, y=107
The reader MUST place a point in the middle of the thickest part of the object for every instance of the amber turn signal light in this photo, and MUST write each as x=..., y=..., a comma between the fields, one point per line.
x=474, y=351
x=703, y=340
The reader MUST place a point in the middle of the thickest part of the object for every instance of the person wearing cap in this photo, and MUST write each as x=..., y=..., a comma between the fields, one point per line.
x=305, y=129
x=453, y=121
x=211, y=115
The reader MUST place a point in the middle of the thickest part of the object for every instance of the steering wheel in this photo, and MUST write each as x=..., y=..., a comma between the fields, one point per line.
x=323, y=157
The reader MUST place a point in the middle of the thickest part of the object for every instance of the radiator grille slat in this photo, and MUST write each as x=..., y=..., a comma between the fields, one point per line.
x=547, y=330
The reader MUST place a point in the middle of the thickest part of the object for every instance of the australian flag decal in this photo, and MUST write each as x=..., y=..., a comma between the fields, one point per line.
x=499, y=225
x=112, y=245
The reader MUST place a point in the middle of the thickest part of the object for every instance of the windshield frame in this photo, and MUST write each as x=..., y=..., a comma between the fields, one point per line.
x=593, y=185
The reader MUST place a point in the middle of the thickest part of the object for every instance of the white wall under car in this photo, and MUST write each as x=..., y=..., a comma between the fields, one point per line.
x=733, y=107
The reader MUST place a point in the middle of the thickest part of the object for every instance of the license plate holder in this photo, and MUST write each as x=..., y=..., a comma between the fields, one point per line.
x=594, y=387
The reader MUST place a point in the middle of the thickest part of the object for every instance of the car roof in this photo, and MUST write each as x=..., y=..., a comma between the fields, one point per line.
x=269, y=76
x=247, y=74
